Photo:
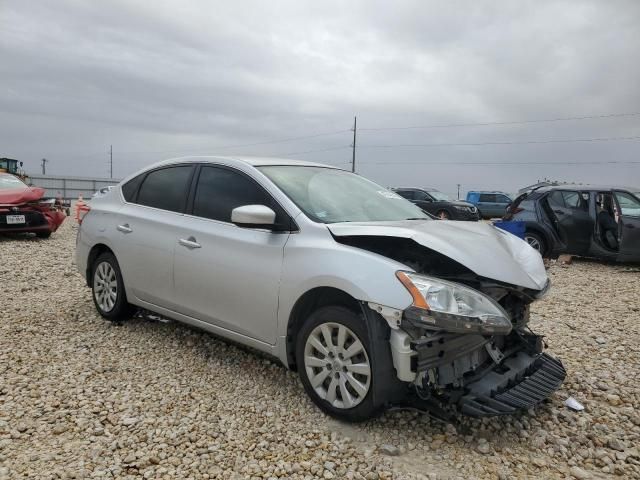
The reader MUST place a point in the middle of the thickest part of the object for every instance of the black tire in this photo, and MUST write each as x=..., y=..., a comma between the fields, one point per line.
x=121, y=309
x=43, y=234
x=337, y=315
x=443, y=215
x=536, y=241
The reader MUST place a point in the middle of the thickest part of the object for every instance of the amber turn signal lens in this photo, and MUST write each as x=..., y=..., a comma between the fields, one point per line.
x=418, y=298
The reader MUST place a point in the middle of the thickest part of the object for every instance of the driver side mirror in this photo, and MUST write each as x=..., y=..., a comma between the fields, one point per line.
x=253, y=216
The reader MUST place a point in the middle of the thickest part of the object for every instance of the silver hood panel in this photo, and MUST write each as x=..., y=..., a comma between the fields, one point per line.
x=484, y=249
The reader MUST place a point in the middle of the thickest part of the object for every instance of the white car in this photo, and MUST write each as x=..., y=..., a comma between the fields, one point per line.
x=372, y=302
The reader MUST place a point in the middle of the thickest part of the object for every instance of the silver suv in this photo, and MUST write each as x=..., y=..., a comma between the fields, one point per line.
x=370, y=300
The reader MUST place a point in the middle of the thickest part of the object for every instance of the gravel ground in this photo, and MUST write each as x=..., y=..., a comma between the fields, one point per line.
x=81, y=397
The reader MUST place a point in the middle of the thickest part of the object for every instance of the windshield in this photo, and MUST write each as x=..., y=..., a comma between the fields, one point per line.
x=9, y=182
x=441, y=197
x=330, y=196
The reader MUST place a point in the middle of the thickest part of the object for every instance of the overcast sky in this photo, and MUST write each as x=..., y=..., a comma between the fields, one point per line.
x=164, y=79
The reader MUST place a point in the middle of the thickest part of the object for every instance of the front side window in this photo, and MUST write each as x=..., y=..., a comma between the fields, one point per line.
x=220, y=190
x=327, y=195
x=629, y=205
x=166, y=188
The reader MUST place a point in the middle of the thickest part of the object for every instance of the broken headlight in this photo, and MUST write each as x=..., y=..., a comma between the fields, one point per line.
x=453, y=307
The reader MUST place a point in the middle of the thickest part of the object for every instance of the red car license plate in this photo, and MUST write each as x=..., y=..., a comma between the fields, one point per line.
x=15, y=219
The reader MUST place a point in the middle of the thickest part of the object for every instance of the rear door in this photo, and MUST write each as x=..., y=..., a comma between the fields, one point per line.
x=224, y=274
x=629, y=223
x=145, y=231
x=570, y=212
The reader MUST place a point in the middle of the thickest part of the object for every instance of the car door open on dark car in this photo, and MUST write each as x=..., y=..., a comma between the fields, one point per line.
x=574, y=225
x=629, y=224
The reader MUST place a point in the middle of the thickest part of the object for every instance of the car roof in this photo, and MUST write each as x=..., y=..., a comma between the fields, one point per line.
x=253, y=161
x=487, y=191
x=425, y=189
x=586, y=187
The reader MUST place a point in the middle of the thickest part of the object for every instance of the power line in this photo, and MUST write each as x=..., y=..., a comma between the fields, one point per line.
x=516, y=164
x=313, y=151
x=266, y=142
x=524, y=142
x=516, y=122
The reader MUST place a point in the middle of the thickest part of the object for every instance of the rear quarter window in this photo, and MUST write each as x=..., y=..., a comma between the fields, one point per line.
x=130, y=189
x=166, y=188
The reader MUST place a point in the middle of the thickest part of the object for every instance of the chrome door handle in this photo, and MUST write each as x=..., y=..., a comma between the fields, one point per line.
x=125, y=228
x=190, y=243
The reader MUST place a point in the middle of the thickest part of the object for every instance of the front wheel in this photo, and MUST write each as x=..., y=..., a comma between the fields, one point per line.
x=334, y=360
x=107, y=286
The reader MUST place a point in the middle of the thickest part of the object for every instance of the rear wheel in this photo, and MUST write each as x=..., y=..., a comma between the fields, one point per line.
x=333, y=358
x=536, y=241
x=107, y=286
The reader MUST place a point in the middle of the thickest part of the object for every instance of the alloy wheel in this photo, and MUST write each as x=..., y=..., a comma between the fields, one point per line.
x=105, y=286
x=337, y=365
x=534, y=242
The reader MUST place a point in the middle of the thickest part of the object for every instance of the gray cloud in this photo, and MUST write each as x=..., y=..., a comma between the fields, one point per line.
x=157, y=79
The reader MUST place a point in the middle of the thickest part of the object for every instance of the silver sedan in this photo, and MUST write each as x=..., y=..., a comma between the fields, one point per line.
x=372, y=301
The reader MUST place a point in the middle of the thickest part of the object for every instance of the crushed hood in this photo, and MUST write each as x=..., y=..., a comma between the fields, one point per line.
x=484, y=249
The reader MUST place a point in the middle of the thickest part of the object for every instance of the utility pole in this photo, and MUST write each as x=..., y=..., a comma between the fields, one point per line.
x=353, y=145
x=458, y=191
x=44, y=169
x=110, y=161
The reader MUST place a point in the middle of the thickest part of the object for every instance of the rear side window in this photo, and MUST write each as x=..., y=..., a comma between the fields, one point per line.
x=503, y=199
x=556, y=199
x=166, y=188
x=408, y=194
x=130, y=189
x=488, y=197
x=220, y=190
x=574, y=200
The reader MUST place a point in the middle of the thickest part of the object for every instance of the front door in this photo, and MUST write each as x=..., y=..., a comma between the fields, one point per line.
x=224, y=274
x=570, y=211
x=629, y=224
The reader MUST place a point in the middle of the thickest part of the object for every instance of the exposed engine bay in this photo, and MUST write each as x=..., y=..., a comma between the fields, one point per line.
x=479, y=373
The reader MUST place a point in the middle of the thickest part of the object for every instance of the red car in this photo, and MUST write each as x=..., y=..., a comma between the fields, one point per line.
x=22, y=208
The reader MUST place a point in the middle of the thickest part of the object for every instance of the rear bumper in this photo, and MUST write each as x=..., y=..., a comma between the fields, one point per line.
x=34, y=222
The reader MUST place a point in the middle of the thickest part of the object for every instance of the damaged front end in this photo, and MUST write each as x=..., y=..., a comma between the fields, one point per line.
x=464, y=344
x=497, y=368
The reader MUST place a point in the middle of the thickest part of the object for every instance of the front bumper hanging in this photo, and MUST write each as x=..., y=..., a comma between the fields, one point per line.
x=471, y=372
x=528, y=382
